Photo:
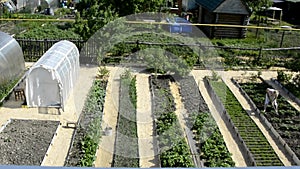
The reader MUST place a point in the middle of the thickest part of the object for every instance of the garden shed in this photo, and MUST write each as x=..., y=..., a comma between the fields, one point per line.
x=51, y=79
x=11, y=59
x=230, y=12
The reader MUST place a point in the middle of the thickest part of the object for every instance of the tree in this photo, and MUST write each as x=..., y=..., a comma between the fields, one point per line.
x=257, y=5
x=93, y=15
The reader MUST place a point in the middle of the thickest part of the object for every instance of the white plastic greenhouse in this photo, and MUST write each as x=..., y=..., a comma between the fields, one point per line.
x=11, y=58
x=51, y=79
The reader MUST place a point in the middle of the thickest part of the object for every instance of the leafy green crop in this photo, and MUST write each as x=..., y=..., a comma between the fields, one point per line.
x=93, y=107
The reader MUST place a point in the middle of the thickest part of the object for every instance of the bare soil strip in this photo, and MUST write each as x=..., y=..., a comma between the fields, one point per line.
x=104, y=155
x=226, y=77
x=232, y=146
x=145, y=120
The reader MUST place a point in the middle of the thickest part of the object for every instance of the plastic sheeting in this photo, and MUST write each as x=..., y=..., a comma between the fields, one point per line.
x=11, y=58
x=51, y=79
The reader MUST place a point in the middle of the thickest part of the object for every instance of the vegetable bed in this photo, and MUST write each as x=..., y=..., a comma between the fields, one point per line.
x=286, y=122
x=126, y=145
x=212, y=146
x=254, y=139
x=88, y=133
x=173, y=149
x=25, y=142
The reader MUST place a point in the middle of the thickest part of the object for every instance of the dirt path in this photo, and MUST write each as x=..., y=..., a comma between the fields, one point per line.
x=57, y=152
x=145, y=128
x=104, y=155
x=226, y=77
x=180, y=110
x=232, y=146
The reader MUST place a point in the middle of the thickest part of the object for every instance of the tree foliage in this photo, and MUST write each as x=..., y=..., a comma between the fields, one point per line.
x=257, y=5
x=94, y=14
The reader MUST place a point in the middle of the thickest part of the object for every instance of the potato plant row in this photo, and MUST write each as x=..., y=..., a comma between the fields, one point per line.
x=173, y=149
x=126, y=145
x=286, y=122
x=212, y=148
x=88, y=133
x=254, y=139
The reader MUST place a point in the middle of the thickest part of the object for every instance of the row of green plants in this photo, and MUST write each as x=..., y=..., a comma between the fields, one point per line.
x=91, y=128
x=246, y=127
x=126, y=147
x=173, y=149
x=211, y=143
x=286, y=122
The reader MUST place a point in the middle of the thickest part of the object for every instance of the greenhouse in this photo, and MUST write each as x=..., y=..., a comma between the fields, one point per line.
x=11, y=59
x=51, y=79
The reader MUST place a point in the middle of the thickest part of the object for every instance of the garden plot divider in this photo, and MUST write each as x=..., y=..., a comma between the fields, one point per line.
x=266, y=123
x=293, y=97
x=225, y=116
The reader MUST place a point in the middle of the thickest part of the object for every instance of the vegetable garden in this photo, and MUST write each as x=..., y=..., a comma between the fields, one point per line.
x=286, y=122
x=88, y=133
x=254, y=139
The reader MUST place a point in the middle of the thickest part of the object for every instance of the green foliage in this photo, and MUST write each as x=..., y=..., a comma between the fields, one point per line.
x=256, y=5
x=48, y=31
x=6, y=86
x=93, y=107
x=283, y=77
x=132, y=91
x=212, y=144
x=92, y=15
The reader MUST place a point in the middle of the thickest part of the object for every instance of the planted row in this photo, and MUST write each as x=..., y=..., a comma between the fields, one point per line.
x=88, y=133
x=6, y=87
x=254, y=139
x=126, y=146
x=173, y=149
x=286, y=122
x=212, y=148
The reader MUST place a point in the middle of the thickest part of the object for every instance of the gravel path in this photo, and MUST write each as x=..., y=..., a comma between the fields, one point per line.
x=232, y=146
x=226, y=77
x=104, y=155
x=145, y=120
x=25, y=142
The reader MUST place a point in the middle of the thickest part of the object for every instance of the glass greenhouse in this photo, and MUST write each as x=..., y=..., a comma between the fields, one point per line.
x=51, y=79
x=11, y=59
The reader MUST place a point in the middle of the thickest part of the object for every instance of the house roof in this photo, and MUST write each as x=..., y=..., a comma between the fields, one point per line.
x=224, y=6
x=209, y=4
x=232, y=7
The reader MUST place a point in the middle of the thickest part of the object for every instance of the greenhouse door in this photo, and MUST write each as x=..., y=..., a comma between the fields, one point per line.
x=43, y=89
